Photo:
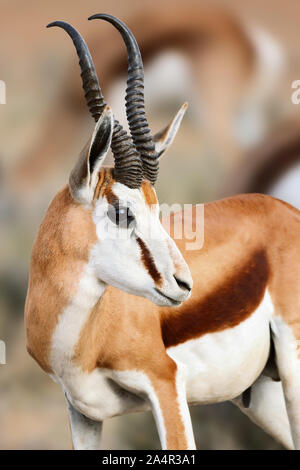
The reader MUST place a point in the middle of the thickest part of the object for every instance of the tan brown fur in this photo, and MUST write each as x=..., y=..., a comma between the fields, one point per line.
x=166, y=392
x=285, y=262
x=104, y=185
x=59, y=256
x=149, y=193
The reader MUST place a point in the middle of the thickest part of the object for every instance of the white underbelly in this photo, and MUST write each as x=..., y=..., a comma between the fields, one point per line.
x=217, y=367
x=220, y=366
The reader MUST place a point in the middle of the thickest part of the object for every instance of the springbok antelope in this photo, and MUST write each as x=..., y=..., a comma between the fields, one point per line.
x=114, y=353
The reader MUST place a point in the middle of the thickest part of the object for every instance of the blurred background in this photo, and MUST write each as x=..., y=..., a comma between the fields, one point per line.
x=234, y=62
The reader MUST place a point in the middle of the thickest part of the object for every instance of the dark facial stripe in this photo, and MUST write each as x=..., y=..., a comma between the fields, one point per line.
x=149, y=262
x=226, y=307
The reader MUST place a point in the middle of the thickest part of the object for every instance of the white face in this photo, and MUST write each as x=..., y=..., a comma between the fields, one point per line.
x=140, y=259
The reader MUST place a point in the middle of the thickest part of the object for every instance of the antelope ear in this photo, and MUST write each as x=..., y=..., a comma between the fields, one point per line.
x=84, y=176
x=164, y=138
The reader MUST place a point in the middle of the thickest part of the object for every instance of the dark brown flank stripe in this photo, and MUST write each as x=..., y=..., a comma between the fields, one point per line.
x=226, y=307
x=149, y=262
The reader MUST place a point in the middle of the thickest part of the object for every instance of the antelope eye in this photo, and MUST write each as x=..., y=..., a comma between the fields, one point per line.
x=121, y=216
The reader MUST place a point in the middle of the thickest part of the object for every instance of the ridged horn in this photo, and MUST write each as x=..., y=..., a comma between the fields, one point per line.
x=128, y=166
x=92, y=90
x=135, y=102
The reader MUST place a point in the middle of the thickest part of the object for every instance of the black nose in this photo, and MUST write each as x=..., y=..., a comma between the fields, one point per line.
x=182, y=284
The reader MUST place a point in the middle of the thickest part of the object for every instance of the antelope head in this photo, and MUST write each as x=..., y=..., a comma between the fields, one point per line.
x=132, y=251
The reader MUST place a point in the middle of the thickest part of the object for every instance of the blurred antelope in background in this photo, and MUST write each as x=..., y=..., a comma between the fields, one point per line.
x=271, y=167
x=157, y=343
x=229, y=69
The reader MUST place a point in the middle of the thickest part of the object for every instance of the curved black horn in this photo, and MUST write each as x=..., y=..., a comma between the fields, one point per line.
x=92, y=90
x=128, y=166
x=135, y=103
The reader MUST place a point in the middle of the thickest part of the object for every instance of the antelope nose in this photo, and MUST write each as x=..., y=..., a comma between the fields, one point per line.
x=183, y=284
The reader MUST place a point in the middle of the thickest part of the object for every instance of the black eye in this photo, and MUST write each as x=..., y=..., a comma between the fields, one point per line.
x=121, y=216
